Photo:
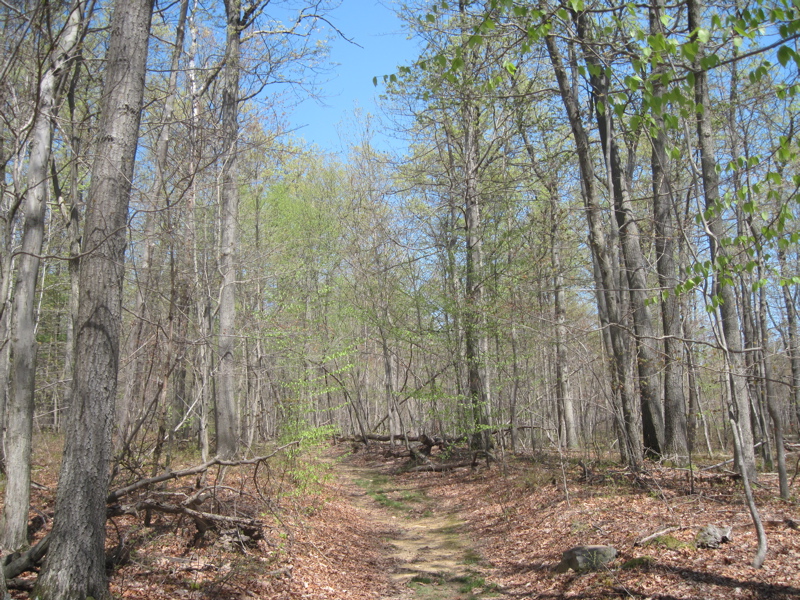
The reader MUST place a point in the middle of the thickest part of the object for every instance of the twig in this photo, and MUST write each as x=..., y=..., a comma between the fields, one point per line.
x=724, y=462
x=117, y=494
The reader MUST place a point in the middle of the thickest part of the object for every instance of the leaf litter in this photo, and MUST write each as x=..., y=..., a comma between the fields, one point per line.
x=504, y=527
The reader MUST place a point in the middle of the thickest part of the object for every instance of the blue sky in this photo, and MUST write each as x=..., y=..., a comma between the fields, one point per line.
x=373, y=25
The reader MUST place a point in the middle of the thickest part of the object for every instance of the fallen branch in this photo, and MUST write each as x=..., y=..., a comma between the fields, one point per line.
x=652, y=536
x=175, y=509
x=440, y=467
x=26, y=585
x=142, y=483
x=27, y=560
x=724, y=462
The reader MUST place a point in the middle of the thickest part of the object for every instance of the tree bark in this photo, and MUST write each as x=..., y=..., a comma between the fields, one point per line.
x=475, y=341
x=23, y=329
x=731, y=330
x=75, y=565
x=635, y=266
x=227, y=414
x=597, y=240
x=772, y=399
x=675, y=425
x=144, y=288
x=562, y=377
x=792, y=345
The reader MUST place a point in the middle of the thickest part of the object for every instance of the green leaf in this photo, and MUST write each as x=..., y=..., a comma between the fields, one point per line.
x=690, y=50
x=703, y=35
x=784, y=55
x=633, y=82
x=709, y=62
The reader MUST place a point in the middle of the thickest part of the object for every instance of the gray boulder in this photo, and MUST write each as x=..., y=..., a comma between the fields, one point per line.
x=712, y=536
x=586, y=558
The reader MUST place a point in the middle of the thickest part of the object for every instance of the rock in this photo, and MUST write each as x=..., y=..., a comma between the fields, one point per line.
x=712, y=536
x=586, y=558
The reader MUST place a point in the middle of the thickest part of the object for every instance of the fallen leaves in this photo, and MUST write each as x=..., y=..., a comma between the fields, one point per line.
x=320, y=545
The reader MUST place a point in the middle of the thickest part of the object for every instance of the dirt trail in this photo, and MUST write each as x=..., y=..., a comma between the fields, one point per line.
x=429, y=547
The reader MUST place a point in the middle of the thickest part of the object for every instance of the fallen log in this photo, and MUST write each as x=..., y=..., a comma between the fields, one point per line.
x=664, y=530
x=440, y=467
x=26, y=561
x=25, y=585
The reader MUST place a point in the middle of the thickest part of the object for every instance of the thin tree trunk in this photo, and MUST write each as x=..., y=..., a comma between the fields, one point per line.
x=598, y=244
x=793, y=347
x=23, y=329
x=75, y=566
x=72, y=217
x=474, y=326
x=731, y=330
x=772, y=400
x=562, y=379
x=633, y=258
x=158, y=191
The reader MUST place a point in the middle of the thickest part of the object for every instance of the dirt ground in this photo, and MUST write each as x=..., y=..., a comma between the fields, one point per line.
x=343, y=525
x=519, y=518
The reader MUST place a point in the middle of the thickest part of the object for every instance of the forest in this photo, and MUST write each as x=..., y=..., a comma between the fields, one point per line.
x=587, y=245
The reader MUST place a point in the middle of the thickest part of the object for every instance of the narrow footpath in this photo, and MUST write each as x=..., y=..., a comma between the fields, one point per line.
x=428, y=547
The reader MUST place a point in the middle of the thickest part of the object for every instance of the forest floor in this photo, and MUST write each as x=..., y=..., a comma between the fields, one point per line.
x=340, y=525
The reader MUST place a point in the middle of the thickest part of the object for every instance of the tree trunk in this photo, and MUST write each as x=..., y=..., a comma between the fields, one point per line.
x=23, y=329
x=675, y=426
x=75, y=565
x=145, y=292
x=633, y=258
x=72, y=219
x=772, y=400
x=731, y=330
x=562, y=378
x=598, y=244
x=792, y=345
x=227, y=414
x=474, y=329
